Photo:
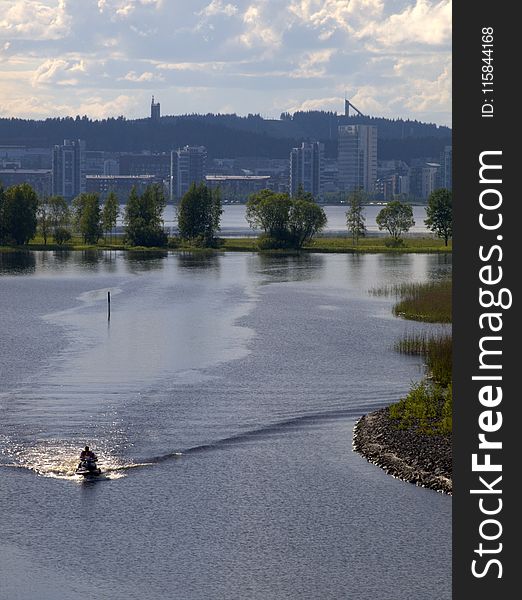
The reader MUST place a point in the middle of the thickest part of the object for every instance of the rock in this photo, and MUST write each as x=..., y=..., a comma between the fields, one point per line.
x=404, y=453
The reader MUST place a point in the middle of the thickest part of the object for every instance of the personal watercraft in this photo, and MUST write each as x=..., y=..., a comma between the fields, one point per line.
x=87, y=467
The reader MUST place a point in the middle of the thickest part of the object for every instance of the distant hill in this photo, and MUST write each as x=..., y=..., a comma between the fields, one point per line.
x=227, y=135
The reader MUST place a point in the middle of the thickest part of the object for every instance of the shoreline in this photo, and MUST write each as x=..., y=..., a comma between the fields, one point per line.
x=335, y=245
x=424, y=460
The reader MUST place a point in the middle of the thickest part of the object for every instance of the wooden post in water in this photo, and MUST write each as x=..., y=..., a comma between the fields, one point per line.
x=108, y=306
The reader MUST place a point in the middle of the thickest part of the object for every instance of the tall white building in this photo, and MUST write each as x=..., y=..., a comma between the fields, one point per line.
x=357, y=158
x=69, y=169
x=307, y=168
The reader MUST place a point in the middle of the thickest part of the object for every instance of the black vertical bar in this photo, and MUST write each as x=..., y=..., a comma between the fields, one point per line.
x=484, y=120
x=108, y=306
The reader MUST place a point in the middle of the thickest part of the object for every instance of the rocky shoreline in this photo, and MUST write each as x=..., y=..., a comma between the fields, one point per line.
x=425, y=460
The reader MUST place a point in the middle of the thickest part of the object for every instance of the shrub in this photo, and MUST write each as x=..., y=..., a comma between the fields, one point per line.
x=427, y=408
x=61, y=235
x=394, y=243
x=268, y=242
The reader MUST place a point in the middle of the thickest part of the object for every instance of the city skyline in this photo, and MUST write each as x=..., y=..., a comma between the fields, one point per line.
x=108, y=57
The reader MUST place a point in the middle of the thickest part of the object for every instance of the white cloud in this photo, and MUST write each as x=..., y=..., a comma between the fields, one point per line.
x=430, y=94
x=313, y=64
x=218, y=7
x=261, y=29
x=329, y=103
x=423, y=23
x=35, y=20
x=194, y=66
x=40, y=106
x=57, y=71
x=146, y=76
x=125, y=8
x=255, y=55
x=98, y=108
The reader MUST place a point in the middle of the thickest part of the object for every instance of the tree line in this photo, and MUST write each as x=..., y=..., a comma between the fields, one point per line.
x=228, y=135
x=285, y=221
x=397, y=217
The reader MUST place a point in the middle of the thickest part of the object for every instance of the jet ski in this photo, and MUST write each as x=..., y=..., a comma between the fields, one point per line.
x=87, y=467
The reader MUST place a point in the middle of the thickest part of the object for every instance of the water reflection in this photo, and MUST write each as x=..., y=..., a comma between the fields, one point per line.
x=199, y=260
x=277, y=268
x=142, y=262
x=17, y=263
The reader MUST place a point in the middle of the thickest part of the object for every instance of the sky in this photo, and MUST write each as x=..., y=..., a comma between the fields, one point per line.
x=101, y=58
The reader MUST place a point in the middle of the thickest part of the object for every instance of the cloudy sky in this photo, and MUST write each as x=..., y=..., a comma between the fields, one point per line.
x=107, y=57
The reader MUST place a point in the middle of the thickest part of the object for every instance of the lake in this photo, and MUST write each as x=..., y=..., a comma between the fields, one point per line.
x=234, y=224
x=221, y=399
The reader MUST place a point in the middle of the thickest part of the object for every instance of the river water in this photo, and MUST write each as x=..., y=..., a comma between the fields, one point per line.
x=220, y=398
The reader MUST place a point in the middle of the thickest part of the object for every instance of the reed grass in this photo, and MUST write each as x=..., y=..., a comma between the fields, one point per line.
x=428, y=406
x=437, y=351
x=429, y=302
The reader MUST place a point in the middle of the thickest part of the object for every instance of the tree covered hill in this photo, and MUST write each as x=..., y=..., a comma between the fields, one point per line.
x=226, y=135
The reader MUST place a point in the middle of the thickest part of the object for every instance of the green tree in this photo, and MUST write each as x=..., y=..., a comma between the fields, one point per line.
x=18, y=214
x=61, y=235
x=269, y=211
x=143, y=217
x=53, y=214
x=355, y=219
x=199, y=215
x=87, y=217
x=3, y=223
x=396, y=218
x=302, y=195
x=43, y=218
x=286, y=222
x=306, y=219
x=440, y=214
x=59, y=217
x=111, y=210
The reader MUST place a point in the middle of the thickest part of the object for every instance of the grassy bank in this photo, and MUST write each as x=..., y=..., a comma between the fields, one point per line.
x=345, y=245
x=428, y=406
x=249, y=244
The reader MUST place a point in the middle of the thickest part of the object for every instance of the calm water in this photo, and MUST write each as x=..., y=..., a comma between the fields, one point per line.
x=221, y=400
x=233, y=222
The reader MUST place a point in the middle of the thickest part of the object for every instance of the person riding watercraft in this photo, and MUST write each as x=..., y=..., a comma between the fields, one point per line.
x=88, y=463
x=87, y=454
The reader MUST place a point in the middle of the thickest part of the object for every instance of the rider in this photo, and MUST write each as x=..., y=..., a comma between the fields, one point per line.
x=87, y=454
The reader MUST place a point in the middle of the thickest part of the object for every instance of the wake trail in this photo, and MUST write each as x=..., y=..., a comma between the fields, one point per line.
x=43, y=462
x=269, y=430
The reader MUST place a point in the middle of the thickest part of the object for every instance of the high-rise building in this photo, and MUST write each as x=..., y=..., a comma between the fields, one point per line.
x=306, y=168
x=155, y=110
x=188, y=166
x=357, y=158
x=446, y=165
x=423, y=179
x=69, y=169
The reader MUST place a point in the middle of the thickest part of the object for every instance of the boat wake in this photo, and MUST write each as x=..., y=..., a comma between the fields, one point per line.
x=59, y=460
x=269, y=431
